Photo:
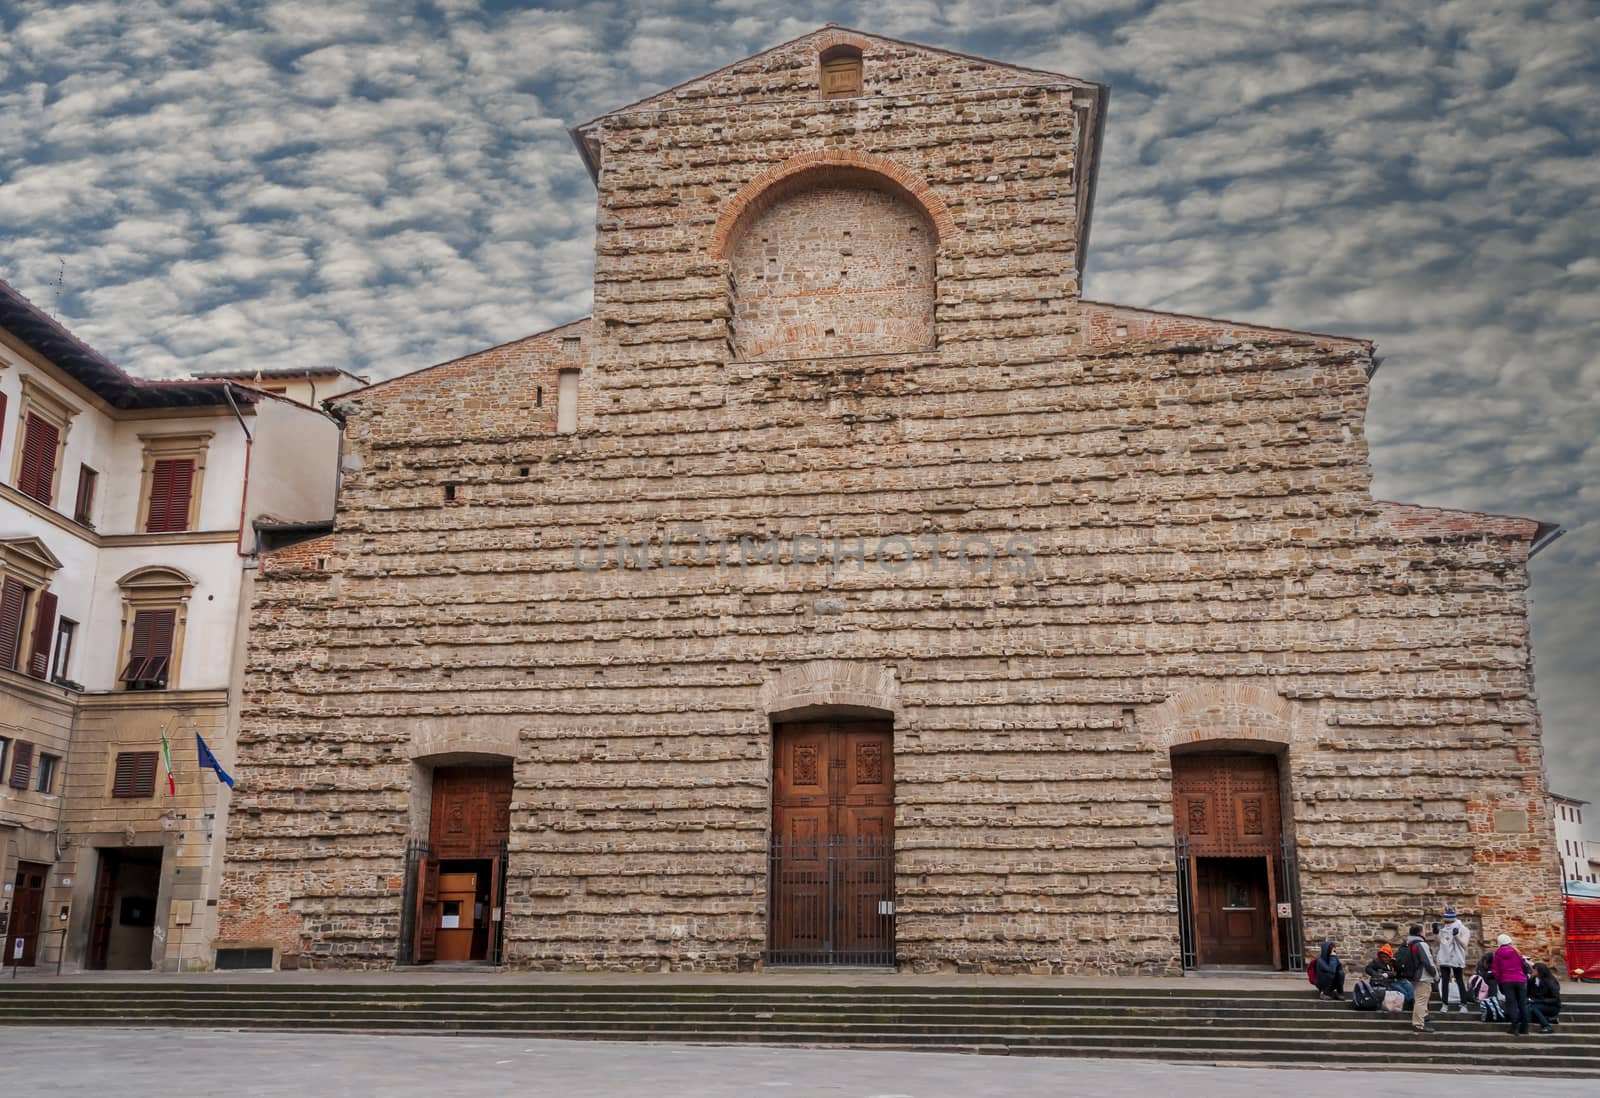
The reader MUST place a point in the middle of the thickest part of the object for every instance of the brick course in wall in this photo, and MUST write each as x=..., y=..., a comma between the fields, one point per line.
x=1186, y=552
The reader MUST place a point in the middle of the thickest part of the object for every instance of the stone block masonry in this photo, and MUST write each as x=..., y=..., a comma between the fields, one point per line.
x=1205, y=566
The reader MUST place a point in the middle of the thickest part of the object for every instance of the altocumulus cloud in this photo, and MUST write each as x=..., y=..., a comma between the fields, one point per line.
x=383, y=186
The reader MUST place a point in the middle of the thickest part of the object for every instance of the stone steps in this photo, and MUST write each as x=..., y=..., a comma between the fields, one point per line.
x=1269, y=1026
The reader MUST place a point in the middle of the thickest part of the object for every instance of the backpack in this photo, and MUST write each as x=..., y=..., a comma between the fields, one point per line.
x=1415, y=964
x=1477, y=988
x=1365, y=997
x=1492, y=1010
x=1311, y=972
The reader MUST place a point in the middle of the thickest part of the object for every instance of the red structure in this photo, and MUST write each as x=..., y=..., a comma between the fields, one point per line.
x=1583, y=937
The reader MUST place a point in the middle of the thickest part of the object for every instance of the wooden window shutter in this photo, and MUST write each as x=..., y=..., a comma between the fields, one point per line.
x=44, y=629
x=2, y=417
x=39, y=442
x=841, y=77
x=13, y=599
x=171, y=483
x=150, y=653
x=144, y=782
x=135, y=774
x=21, y=764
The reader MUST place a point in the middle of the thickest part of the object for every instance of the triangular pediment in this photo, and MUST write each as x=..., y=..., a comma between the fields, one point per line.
x=33, y=550
x=789, y=70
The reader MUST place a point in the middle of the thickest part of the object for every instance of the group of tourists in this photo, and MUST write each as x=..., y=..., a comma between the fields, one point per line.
x=1503, y=986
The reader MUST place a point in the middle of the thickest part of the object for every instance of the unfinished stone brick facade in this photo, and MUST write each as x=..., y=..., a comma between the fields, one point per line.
x=1053, y=540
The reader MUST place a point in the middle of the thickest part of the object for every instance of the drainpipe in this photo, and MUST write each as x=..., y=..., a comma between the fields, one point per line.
x=249, y=444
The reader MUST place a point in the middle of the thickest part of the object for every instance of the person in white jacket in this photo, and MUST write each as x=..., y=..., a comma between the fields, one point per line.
x=1451, y=953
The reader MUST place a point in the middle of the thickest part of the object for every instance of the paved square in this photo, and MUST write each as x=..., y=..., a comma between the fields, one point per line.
x=155, y=1063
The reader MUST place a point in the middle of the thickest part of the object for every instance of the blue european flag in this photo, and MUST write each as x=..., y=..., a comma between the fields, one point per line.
x=208, y=759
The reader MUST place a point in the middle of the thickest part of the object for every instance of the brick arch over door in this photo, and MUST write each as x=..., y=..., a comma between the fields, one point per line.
x=830, y=688
x=1232, y=712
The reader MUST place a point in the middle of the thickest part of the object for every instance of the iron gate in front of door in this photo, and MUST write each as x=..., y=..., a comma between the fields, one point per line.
x=831, y=900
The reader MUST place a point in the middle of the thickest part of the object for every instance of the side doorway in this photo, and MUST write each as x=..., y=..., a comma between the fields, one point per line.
x=27, y=908
x=458, y=877
x=122, y=917
x=1229, y=831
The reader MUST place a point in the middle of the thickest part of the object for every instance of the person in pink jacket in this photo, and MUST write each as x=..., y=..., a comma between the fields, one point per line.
x=1511, y=973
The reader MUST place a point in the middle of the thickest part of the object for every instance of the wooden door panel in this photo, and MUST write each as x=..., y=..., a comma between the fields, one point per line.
x=428, y=911
x=471, y=811
x=1232, y=920
x=27, y=904
x=802, y=766
x=1227, y=804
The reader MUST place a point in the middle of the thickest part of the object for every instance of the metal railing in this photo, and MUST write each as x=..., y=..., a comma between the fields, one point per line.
x=1186, y=932
x=417, y=851
x=831, y=901
x=497, y=949
x=1289, y=876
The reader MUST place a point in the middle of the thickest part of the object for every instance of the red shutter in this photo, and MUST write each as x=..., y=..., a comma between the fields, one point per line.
x=21, y=764
x=13, y=597
x=171, y=484
x=39, y=442
x=44, y=629
x=160, y=492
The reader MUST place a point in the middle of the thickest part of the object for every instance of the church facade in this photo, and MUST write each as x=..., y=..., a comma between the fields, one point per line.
x=850, y=589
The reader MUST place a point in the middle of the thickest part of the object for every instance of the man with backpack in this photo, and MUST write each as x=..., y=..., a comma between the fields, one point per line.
x=1416, y=965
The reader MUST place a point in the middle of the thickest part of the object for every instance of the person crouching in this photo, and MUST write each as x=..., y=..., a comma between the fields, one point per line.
x=1329, y=973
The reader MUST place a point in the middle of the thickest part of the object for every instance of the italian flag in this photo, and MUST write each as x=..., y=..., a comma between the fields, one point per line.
x=166, y=757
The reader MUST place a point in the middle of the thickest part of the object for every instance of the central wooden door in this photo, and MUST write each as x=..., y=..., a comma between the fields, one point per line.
x=832, y=869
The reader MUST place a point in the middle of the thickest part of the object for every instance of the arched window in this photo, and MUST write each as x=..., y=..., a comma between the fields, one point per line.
x=841, y=72
x=833, y=262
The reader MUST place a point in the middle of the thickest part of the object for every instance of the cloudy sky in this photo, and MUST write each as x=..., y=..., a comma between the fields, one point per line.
x=385, y=186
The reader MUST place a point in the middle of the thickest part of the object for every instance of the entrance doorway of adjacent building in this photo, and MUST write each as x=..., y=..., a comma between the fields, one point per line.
x=831, y=875
x=122, y=917
x=1233, y=872
x=27, y=909
x=456, y=881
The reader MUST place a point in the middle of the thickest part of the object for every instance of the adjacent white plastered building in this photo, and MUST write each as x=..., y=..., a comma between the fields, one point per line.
x=98, y=871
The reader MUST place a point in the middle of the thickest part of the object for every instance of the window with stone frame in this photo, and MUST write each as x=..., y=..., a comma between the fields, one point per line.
x=43, y=420
x=155, y=603
x=27, y=605
x=174, y=467
x=44, y=780
x=133, y=775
